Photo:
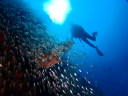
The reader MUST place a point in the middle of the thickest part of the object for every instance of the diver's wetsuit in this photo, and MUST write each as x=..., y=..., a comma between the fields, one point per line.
x=78, y=32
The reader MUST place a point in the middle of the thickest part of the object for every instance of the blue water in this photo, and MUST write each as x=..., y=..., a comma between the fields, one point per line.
x=110, y=19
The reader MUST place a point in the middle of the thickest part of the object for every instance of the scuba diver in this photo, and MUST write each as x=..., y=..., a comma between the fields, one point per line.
x=78, y=31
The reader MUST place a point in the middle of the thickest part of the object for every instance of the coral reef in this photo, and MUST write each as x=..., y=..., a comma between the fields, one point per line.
x=24, y=42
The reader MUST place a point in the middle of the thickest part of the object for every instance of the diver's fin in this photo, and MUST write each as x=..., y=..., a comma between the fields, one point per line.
x=94, y=33
x=99, y=52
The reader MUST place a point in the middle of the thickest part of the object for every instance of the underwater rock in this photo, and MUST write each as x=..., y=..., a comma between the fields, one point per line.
x=53, y=57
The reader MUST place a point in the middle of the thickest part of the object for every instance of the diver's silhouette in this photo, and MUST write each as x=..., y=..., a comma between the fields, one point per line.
x=78, y=31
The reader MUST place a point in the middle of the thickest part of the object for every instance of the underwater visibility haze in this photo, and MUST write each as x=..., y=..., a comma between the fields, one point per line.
x=63, y=47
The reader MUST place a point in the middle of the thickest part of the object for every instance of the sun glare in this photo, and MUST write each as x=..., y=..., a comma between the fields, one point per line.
x=57, y=10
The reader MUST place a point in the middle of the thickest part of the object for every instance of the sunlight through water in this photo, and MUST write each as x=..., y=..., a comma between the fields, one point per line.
x=57, y=10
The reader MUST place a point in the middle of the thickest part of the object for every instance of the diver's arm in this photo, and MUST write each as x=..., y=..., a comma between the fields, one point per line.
x=80, y=40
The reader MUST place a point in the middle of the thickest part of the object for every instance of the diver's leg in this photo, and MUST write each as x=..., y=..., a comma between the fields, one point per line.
x=86, y=41
x=97, y=50
x=93, y=37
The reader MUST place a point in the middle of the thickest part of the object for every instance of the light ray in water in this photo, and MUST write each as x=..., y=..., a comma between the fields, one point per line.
x=57, y=10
